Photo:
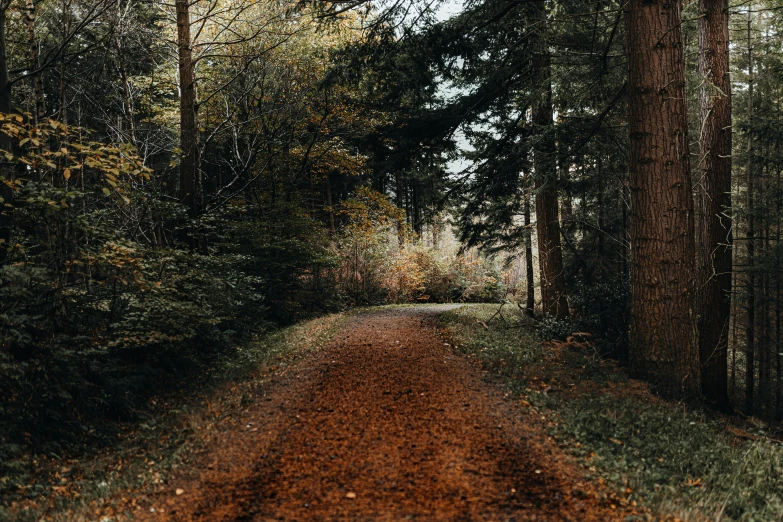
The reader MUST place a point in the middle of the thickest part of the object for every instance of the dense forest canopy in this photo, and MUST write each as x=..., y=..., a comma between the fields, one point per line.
x=178, y=175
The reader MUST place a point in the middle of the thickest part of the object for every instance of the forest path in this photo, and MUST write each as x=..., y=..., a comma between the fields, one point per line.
x=386, y=422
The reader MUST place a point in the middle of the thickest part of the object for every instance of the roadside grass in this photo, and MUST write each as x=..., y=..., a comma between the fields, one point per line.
x=677, y=463
x=174, y=429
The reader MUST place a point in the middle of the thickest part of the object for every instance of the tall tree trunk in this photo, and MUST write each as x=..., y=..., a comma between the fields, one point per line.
x=714, y=268
x=763, y=318
x=663, y=324
x=33, y=57
x=5, y=84
x=778, y=294
x=601, y=211
x=65, y=14
x=567, y=207
x=6, y=168
x=550, y=255
x=189, y=165
x=750, y=322
x=625, y=252
x=127, y=103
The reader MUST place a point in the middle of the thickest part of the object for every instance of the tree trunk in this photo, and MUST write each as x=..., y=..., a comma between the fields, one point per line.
x=714, y=269
x=6, y=169
x=127, y=103
x=65, y=14
x=601, y=211
x=663, y=325
x=332, y=228
x=763, y=318
x=778, y=294
x=530, y=306
x=567, y=207
x=189, y=164
x=750, y=332
x=550, y=255
x=33, y=57
x=5, y=84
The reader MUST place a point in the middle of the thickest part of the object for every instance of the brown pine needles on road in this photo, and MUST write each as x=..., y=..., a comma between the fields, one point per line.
x=384, y=423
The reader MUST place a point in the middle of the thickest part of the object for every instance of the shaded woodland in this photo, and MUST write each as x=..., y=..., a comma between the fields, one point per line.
x=178, y=177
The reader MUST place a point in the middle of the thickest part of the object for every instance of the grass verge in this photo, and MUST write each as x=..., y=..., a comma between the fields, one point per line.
x=172, y=432
x=678, y=463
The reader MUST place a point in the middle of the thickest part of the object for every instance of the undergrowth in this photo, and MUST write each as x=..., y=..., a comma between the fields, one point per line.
x=168, y=434
x=673, y=460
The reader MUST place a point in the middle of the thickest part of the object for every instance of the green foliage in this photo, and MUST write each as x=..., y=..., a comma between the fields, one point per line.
x=508, y=344
x=603, y=308
x=93, y=319
x=551, y=328
x=677, y=460
x=292, y=254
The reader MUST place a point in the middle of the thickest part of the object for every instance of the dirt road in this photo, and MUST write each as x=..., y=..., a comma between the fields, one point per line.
x=384, y=423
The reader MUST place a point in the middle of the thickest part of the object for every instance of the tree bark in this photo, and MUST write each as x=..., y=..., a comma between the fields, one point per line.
x=6, y=168
x=530, y=306
x=750, y=323
x=127, y=103
x=715, y=242
x=778, y=294
x=663, y=324
x=567, y=206
x=550, y=255
x=65, y=13
x=189, y=163
x=332, y=228
x=33, y=57
x=5, y=84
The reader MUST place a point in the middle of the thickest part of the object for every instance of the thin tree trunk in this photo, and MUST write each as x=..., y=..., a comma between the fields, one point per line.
x=127, y=104
x=734, y=337
x=33, y=53
x=5, y=84
x=567, y=208
x=530, y=305
x=663, y=324
x=601, y=211
x=763, y=319
x=778, y=295
x=550, y=255
x=625, y=253
x=715, y=260
x=62, y=113
x=332, y=229
x=6, y=169
x=750, y=333
x=189, y=164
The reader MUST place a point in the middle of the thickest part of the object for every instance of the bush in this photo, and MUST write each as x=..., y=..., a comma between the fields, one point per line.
x=604, y=310
x=97, y=315
x=382, y=261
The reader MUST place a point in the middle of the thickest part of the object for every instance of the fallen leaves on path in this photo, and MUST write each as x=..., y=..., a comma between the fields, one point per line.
x=384, y=423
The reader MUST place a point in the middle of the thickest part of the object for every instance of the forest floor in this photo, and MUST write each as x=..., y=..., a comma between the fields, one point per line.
x=385, y=422
x=415, y=413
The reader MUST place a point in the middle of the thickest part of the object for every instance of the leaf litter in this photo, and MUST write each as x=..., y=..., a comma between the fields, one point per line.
x=361, y=430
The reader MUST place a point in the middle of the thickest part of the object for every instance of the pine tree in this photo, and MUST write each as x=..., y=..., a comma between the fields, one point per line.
x=715, y=238
x=663, y=326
